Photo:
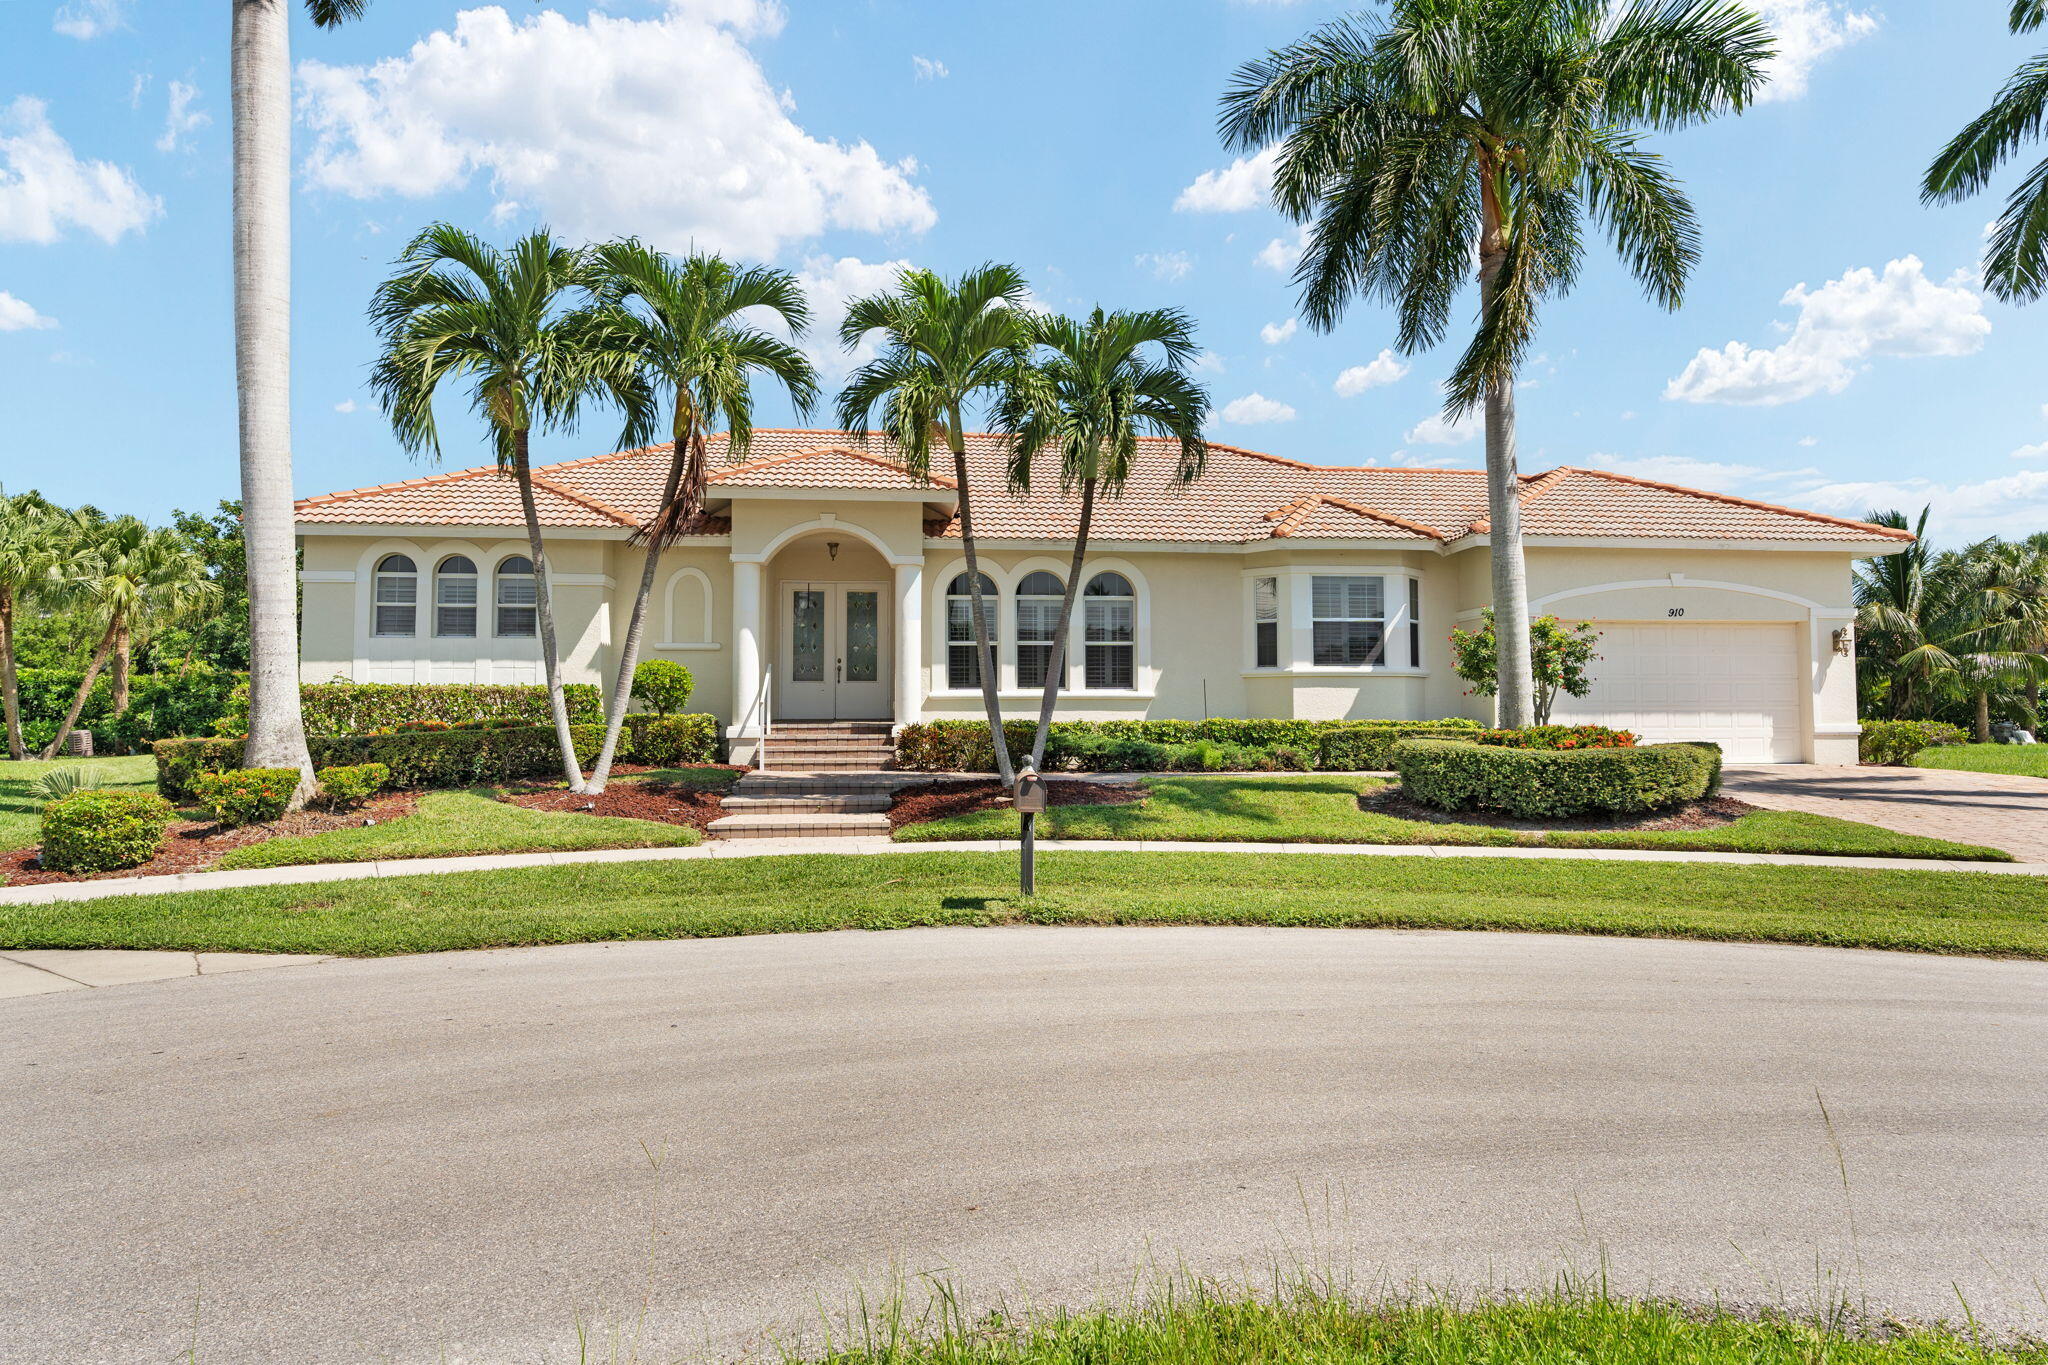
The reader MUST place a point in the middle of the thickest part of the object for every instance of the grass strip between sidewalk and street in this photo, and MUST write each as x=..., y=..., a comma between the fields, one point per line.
x=1936, y=912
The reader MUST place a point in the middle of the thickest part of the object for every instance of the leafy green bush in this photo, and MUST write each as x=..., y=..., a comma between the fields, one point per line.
x=247, y=796
x=352, y=784
x=160, y=705
x=1559, y=737
x=1084, y=745
x=98, y=831
x=1457, y=775
x=1893, y=743
x=667, y=741
x=447, y=758
x=663, y=685
x=349, y=708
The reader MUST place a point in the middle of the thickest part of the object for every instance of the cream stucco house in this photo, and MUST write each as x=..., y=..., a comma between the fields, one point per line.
x=824, y=581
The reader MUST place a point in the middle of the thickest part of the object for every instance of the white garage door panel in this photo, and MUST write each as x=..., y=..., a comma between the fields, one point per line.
x=1738, y=685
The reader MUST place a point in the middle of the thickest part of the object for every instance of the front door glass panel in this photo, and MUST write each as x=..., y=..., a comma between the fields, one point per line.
x=807, y=636
x=863, y=622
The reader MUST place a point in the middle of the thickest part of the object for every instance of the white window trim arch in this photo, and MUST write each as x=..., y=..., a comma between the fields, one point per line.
x=680, y=581
x=477, y=579
x=1001, y=627
x=1006, y=578
x=1297, y=621
x=489, y=577
x=422, y=650
x=375, y=572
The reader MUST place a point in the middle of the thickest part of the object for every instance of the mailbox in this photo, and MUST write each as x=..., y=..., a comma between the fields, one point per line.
x=1030, y=795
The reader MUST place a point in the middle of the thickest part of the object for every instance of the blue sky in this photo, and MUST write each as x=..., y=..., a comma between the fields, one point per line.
x=1834, y=350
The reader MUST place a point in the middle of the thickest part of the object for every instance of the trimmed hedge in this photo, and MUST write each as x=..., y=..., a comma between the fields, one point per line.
x=1555, y=783
x=1105, y=745
x=160, y=705
x=343, y=787
x=349, y=708
x=1893, y=743
x=670, y=741
x=418, y=758
x=247, y=796
x=1559, y=737
x=98, y=831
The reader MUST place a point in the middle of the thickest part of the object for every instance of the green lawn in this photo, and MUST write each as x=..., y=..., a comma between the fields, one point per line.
x=1202, y=1324
x=688, y=777
x=1324, y=810
x=1940, y=912
x=2025, y=760
x=21, y=801
x=451, y=824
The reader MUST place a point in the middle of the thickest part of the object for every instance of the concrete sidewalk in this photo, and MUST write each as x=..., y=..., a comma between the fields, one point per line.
x=54, y=892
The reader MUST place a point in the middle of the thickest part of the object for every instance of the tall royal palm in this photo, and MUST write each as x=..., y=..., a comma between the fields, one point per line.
x=502, y=323
x=1089, y=391
x=947, y=345
x=1452, y=132
x=261, y=97
x=686, y=325
x=2016, y=258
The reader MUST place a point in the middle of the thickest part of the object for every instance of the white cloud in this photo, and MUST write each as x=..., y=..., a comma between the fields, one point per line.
x=666, y=127
x=88, y=19
x=929, y=69
x=17, y=316
x=1283, y=255
x=1208, y=362
x=1246, y=183
x=1254, y=409
x=1403, y=459
x=2008, y=505
x=1385, y=368
x=1436, y=430
x=2037, y=451
x=345, y=405
x=45, y=189
x=181, y=118
x=1170, y=266
x=1841, y=326
x=829, y=285
x=1806, y=31
x=1809, y=440
x=1274, y=333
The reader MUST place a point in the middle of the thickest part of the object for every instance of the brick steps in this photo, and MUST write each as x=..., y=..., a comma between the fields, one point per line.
x=793, y=825
x=849, y=801
x=816, y=805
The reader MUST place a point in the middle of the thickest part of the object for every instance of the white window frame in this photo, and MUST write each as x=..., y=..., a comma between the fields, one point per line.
x=1399, y=652
x=1018, y=644
x=473, y=606
x=1085, y=601
x=992, y=607
x=378, y=577
x=499, y=605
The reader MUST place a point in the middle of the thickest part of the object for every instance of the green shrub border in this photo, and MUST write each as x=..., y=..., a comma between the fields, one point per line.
x=351, y=708
x=1346, y=745
x=422, y=758
x=1453, y=775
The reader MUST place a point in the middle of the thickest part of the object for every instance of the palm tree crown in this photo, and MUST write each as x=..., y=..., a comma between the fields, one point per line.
x=2016, y=260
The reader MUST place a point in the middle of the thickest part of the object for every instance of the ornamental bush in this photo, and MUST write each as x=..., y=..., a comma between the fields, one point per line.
x=98, y=831
x=351, y=708
x=1092, y=746
x=446, y=758
x=1559, y=737
x=1555, y=783
x=246, y=796
x=1893, y=743
x=352, y=784
x=663, y=685
x=671, y=741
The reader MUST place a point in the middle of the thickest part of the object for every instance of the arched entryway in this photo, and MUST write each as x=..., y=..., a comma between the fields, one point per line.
x=831, y=629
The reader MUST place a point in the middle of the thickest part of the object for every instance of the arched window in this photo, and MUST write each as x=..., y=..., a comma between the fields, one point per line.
x=455, y=597
x=1038, y=618
x=963, y=666
x=1111, y=612
x=396, y=596
x=515, y=598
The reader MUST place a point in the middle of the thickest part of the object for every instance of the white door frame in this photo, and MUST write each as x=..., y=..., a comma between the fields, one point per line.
x=833, y=695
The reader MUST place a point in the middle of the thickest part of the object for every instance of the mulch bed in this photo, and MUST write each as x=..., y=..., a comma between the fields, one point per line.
x=669, y=803
x=936, y=800
x=1712, y=813
x=195, y=845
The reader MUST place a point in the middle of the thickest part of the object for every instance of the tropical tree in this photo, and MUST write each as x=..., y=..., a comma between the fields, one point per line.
x=687, y=325
x=1453, y=132
x=1088, y=392
x=33, y=549
x=502, y=323
x=2016, y=259
x=261, y=98
x=946, y=345
x=129, y=572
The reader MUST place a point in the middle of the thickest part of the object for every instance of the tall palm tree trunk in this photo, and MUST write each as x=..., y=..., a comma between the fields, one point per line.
x=984, y=654
x=544, y=612
x=261, y=79
x=1514, y=705
x=1983, y=717
x=10, y=685
x=92, y=673
x=124, y=663
x=668, y=516
x=1056, y=666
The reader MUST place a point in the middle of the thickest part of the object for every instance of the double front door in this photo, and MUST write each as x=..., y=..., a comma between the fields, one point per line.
x=834, y=659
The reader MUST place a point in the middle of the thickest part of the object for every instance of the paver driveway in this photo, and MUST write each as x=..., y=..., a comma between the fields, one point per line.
x=1974, y=808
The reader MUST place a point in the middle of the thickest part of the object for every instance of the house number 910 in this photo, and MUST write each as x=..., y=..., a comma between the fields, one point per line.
x=1674, y=611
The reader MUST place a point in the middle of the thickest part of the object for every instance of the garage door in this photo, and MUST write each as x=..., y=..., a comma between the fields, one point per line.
x=1738, y=685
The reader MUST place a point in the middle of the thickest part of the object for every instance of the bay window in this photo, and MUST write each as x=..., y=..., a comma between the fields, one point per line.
x=1265, y=623
x=1349, y=613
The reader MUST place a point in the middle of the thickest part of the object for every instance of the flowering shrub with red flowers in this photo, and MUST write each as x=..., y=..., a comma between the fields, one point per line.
x=1560, y=737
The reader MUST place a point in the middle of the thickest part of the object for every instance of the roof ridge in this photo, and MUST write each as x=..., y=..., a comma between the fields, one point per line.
x=812, y=452
x=1887, y=531
x=659, y=446
x=582, y=499
x=1362, y=510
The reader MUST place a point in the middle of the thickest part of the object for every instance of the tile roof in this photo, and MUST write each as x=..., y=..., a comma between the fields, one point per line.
x=1242, y=497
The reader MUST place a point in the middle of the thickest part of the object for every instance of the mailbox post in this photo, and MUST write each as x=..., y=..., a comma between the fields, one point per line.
x=1029, y=798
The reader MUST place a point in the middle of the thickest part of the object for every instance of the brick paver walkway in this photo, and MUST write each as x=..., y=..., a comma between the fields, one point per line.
x=1973, y=808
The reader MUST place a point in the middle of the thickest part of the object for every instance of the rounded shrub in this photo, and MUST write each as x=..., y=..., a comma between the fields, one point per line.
x=247, y=796
x=98, y=831
x=350, y=785
x=1555, y=784
x=1893, y=743
x=664, y=685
